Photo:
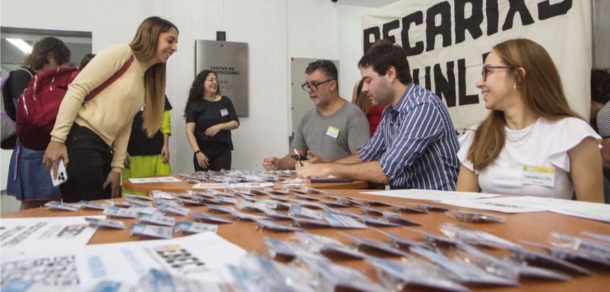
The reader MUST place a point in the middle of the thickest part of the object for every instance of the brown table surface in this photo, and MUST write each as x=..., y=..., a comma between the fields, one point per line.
x=183, y=185
x=534, y=227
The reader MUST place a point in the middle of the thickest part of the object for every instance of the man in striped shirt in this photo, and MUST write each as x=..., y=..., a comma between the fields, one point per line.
x=415, y=145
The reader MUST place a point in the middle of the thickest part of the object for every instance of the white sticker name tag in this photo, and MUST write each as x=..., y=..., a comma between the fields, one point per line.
x=332, y=132
x=538, y=175
x=224, y=112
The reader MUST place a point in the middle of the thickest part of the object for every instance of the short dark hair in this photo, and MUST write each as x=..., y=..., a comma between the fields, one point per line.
x=86, y=59
x=327, y=67
x=40, y=53
x=600, y=85
x=383, y=55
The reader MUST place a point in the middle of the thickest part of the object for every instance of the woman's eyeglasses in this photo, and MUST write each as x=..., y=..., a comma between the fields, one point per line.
x=489, y=68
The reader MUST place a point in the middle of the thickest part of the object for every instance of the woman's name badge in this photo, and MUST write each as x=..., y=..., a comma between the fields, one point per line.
x=538, y=175
x=224, y=112
x=333, y=132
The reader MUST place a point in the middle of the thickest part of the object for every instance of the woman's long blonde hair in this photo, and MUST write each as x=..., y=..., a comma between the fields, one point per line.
x=540, y=88
x=144, y=47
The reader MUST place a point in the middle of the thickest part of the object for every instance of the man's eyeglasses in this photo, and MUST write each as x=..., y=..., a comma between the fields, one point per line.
x=489, y=68
x=314, y=85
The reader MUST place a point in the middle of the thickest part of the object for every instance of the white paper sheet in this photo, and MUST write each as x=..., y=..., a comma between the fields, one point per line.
x=431, y=195
x=201, y=256
x=56, y=233
x=232, y=185
x=503, y=204
x=525, y=204
x=145, y=180
x=594, y=211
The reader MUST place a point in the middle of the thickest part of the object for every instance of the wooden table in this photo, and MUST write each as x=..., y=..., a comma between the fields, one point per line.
x=183, y=186
x=534, y=227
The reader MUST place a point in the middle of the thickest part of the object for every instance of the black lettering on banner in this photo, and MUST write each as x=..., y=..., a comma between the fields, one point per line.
x=445, y=87
x=415, y=76
x=524, y=14
x=463, y=98
x=389, y=26
x=428, y=84
x=493, y=16
x=547, y=10
x=471, y=24
x=371, y=31
x=444, y=29
x=416, y=18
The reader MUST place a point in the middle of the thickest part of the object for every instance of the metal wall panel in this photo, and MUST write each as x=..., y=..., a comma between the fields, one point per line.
x=230, y=62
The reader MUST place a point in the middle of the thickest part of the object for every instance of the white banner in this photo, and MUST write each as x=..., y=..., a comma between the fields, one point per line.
x=446, y=42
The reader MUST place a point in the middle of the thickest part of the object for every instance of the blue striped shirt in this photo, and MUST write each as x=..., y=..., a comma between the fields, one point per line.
x=415, y=143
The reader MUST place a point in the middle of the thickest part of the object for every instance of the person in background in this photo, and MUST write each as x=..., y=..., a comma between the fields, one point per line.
x=365, y=103
x=414, y=146
x=210, y=118
x=28, y=180
x=334, y=129
x=86, y=59
x=148, y=156
x=600, y=119
x=91, y=136
x=531, y=143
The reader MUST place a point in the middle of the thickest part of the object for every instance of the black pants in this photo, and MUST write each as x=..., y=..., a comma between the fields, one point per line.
x=218, y=154
x=89, y=166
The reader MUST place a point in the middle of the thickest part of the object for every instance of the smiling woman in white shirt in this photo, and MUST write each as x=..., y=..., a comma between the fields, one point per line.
x=531, y=143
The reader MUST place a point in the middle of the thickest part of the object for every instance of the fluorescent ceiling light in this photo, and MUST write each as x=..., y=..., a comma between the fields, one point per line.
x=21, y=44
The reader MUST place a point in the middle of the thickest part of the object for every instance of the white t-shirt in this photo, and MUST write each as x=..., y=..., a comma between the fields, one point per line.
x=542, y=147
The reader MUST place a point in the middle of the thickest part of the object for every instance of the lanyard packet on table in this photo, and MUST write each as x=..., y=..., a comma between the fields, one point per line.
x=534, y=258
x=263, y=223
x=397, y=240
x=93, y=205
x=300, y=211
x=281, y=248
x=475, y=217
x=245, y=216
x=476, y=237
x=340, y=221
x=97, y=222
x=222, y=209
x=461, y=271
x=415, y=273
x=119, y=204
x=505, y=268
x=62, y=206
x=136, y=197
x=194, y=227
x=225, y=200
x=210, y=218
x=174, y=210
x=277, y=215
x=152, y=230
x=156, y=219
x=303, y=221
x=191, y=202
x=398, y=219
x=378, y=222
x=121, y=212
x=161, y=195
x=338, y=276
x=377, y=245
x=137, y=202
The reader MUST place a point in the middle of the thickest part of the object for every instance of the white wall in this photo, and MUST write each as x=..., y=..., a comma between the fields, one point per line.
x=350, y=45
x=276, y=30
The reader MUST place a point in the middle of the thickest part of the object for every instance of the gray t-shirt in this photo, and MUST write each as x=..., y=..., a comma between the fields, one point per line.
x=335, y=136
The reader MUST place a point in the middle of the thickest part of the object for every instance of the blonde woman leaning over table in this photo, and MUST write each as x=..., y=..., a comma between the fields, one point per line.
x=91, y=136
x=531, y=143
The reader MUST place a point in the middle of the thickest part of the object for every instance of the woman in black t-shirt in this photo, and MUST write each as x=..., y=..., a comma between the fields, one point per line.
x=210, y=117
